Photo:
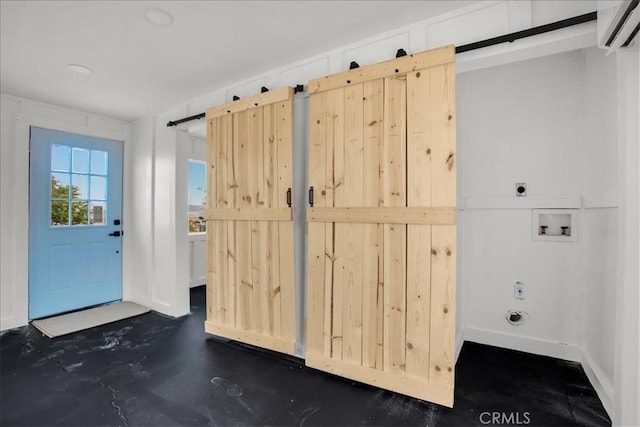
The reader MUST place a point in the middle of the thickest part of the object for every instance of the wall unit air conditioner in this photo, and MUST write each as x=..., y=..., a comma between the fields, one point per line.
x=618, y=23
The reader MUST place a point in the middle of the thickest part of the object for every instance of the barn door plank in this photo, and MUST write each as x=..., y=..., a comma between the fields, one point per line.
x=441, y=133
x=256, y=190
x=268, y=197
x=395, y=235
x=372, y=273
x=284, y=128
x=270, y=130
x=243, y=228
x=224, y=136
x=351, y=235
x=419, y=183
x=335, y=113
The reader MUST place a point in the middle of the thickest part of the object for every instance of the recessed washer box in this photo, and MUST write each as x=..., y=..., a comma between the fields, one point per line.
x=555, y=225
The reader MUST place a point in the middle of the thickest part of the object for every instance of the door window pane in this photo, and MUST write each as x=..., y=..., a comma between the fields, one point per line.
x=59, y=185
x=80, y=160
x=79, y=213
x=59, y=212
x=60, y=158
x=98, y=162
x=79, y=186
x=98, y=188
x=98, y=213
x=197, y=196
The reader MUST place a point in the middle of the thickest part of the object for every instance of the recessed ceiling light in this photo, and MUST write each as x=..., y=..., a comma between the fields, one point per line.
x=158, y=16
x=80, y=69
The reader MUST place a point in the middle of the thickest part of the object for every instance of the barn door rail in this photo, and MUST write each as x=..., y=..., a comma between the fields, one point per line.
x=506, y=38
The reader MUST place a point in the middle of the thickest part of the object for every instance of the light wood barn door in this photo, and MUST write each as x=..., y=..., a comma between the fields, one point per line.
x=250, y=282
x=382, y=233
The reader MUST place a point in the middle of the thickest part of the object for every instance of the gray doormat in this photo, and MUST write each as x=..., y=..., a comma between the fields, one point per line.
x=85, y=319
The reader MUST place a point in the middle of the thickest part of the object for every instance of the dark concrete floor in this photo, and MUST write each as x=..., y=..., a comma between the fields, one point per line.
x=154, y=371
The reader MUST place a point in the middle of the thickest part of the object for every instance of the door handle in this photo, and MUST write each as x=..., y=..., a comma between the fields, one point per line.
x=116, y=234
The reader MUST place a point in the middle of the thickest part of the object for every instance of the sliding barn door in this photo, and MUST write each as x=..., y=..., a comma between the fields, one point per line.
x=382, y=234
x=250, y=282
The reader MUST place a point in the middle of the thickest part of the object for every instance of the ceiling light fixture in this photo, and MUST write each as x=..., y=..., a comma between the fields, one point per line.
x=158, y=16
x=81, y=69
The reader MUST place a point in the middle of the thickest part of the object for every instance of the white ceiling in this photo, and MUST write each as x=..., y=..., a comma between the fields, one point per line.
x=141, y=69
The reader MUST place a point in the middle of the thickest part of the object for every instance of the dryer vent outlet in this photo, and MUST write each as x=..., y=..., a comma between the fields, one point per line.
x=515, y=317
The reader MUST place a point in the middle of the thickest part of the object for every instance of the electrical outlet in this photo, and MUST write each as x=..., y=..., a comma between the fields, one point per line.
x=518, y=290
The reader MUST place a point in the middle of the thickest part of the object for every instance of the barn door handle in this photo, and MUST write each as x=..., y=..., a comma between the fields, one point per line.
x=311, y=196
x=289, y=197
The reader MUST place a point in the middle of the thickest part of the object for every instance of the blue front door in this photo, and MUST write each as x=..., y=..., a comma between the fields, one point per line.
x=75, y=211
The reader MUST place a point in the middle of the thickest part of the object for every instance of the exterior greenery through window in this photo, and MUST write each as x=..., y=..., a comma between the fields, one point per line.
x=60, y=208
x=79, y=183
x=197, y=196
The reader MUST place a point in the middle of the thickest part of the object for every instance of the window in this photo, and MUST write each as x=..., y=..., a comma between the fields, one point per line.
x=78, y=186
x=197, y=196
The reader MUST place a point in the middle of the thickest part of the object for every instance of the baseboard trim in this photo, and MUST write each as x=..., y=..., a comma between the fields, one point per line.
x=523, y=343
x=599, y=381
x=10, y=322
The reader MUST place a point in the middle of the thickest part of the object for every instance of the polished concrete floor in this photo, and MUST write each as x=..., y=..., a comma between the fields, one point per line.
x=154, y=371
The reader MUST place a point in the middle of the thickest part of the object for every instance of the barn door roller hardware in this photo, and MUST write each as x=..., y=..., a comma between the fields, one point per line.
x=507, y=38
x=263, y=89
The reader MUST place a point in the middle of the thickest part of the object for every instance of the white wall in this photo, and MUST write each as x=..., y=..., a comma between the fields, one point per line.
x=159, y=261
x=16, y=117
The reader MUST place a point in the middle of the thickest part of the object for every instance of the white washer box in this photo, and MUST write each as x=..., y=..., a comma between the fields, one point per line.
x=557, y=225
